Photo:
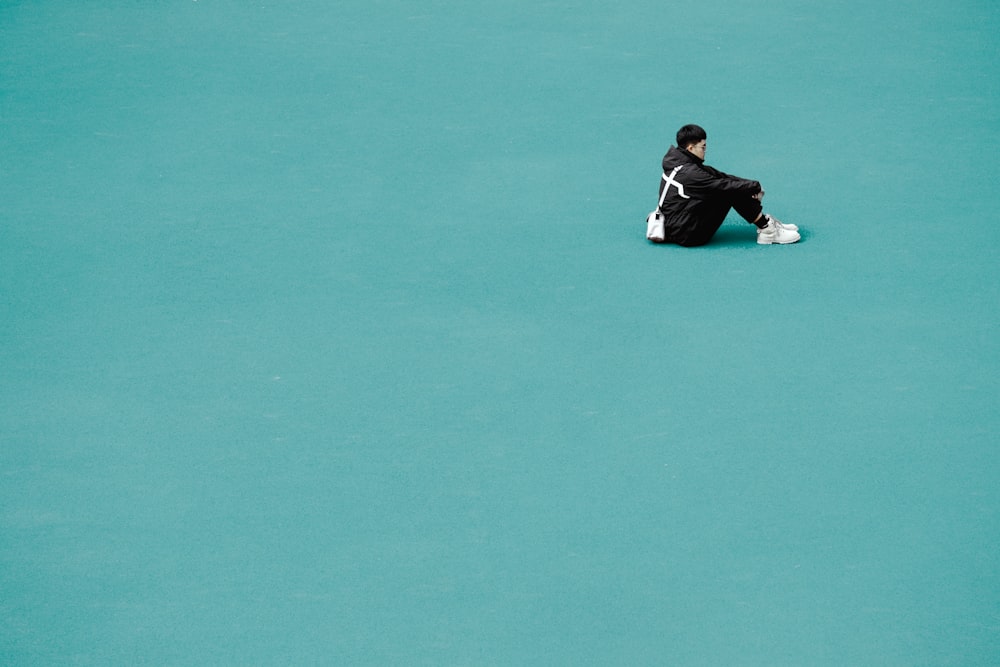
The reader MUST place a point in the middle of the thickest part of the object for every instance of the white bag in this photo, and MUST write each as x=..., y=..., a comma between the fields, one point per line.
x=654, y=227
x=654, y=221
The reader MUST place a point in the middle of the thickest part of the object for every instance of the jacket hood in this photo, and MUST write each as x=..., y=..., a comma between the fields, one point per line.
x=681, y=154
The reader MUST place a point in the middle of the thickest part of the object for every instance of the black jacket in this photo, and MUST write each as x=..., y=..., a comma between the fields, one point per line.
x=698, y=196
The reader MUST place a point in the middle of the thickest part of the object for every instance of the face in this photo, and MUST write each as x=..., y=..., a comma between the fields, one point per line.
x=698, y=149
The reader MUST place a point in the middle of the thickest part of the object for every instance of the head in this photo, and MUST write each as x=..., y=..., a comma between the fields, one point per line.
x=693, y=139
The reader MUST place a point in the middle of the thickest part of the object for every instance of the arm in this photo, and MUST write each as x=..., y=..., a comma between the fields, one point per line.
x=705, y=180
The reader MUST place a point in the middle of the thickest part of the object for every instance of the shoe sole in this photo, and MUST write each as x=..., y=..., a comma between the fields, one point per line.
x=775, y=242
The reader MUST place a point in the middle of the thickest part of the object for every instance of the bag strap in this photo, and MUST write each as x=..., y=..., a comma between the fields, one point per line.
x=663, y=195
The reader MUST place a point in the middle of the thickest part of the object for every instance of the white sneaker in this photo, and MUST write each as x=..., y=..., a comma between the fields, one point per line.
x=775, y=232
x=786, y=225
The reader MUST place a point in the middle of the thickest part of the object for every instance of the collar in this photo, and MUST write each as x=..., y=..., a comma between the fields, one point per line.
x=691, y=155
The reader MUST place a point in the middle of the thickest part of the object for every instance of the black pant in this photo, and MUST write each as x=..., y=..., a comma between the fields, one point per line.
x=710, y=215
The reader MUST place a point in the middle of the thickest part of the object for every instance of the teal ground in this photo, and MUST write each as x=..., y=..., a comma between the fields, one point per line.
x=329, y=335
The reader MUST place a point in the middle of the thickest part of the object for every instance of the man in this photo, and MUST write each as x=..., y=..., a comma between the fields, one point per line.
x=695, y=198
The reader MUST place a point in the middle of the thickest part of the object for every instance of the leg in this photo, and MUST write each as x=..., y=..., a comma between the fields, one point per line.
x=709, y=217
x=750, y=209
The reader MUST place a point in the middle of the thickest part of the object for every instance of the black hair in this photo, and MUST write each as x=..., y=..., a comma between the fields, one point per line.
x=689, y=135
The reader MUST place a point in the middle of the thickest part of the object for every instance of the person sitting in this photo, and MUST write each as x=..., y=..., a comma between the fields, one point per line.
x=696, y=198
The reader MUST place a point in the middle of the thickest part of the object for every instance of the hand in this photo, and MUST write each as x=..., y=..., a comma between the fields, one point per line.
x=759, y=195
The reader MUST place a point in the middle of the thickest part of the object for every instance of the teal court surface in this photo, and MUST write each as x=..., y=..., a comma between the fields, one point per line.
x=329, y=335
